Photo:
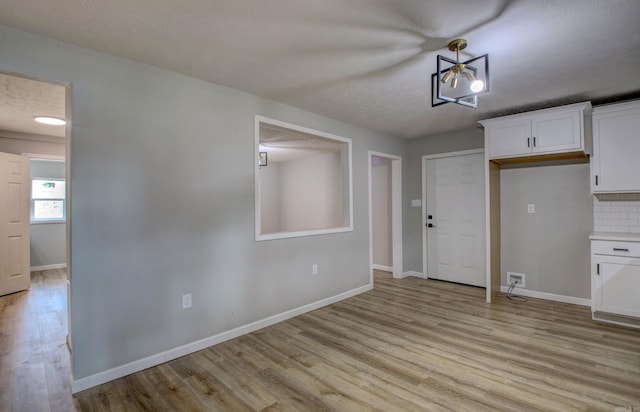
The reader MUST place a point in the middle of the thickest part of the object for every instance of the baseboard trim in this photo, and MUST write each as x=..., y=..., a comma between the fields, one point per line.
x=48, y=267
x=382, y=267
x=412, y=273
x=615, y=319
x=162, y=357
x=548, y=296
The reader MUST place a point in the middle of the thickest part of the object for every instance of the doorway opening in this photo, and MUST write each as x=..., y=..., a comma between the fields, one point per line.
x=47, y=147
x=385, y=213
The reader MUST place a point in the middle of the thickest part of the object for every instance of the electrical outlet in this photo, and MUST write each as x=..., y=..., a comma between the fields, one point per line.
x=186, y=301
x=314, y=269
x=518, y=278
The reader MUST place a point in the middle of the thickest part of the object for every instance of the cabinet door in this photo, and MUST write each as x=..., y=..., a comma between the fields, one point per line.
x=616, y=282
x=557, y=132
x=616, y=142
x=510, y=138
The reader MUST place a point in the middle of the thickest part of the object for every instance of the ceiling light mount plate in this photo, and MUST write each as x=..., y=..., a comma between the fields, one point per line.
x=457, y=45
x=445, y=84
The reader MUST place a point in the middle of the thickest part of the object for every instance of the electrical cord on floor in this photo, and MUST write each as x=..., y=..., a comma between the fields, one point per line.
x=515, y=298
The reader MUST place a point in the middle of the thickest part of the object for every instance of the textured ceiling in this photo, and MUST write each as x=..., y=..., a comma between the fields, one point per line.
x=365, y=62
x=285, y=145
x=21, y=99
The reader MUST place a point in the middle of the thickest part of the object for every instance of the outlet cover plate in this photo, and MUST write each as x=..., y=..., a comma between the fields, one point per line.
x=511, y=276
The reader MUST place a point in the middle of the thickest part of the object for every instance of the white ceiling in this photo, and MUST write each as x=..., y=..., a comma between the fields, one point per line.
x=21, y=99
x=284, y=145
x=365, y=62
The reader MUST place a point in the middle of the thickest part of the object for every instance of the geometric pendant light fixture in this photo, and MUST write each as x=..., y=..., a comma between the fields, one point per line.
x=459, y=82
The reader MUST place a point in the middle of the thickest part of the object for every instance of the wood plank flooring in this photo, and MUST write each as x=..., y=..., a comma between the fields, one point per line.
x=34, y=358
x=407, y=345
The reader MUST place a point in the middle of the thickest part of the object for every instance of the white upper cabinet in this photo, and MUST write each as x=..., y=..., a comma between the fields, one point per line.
x=543, y=132
x=615, y=165
x=508, y=138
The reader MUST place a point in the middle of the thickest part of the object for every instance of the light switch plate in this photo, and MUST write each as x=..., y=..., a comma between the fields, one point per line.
x=416, y=202
x=186, y=301
x=531, y=208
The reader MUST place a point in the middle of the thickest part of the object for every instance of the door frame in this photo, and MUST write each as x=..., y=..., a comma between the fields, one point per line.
x=396, y=213
x=425, y=256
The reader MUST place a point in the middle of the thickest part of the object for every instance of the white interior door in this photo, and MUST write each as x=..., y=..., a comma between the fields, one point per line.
x=455, y=208
x=14, y=223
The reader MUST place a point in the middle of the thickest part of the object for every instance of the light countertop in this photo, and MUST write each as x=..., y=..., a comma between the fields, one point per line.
x=615, y=236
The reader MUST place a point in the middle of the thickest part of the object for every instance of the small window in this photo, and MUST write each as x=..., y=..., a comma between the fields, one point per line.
x=48, y=200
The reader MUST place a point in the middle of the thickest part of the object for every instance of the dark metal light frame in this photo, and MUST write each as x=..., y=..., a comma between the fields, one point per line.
x=472, y=65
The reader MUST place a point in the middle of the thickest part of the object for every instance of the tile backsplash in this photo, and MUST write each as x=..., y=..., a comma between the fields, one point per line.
x=616, y=213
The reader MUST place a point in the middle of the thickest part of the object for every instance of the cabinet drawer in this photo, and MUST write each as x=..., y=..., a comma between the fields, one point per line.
x=615, y=248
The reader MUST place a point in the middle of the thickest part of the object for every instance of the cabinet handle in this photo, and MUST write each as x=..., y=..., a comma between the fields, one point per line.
x=596, y=180
x=534, y=141
x=620, y=249
x=528, y=142
x=597, y=268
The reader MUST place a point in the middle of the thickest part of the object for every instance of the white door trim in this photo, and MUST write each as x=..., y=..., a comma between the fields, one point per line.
x=396, y=213
x=424, y=197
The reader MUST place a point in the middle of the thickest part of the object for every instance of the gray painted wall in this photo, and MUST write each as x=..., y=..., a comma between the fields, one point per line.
x=412, y=183
x=162, y=184
x=551, y=246
x=48, y=240
x=51, y=169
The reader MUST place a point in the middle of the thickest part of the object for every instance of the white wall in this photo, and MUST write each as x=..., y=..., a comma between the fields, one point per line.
x=311, y=193
x=381, y=211
x=270, y=198
x=551, y=246
x=162, y=188
x=20, y=146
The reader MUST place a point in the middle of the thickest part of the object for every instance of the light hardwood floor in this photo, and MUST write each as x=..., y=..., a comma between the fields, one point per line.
x=34, y=358
x=408, y=345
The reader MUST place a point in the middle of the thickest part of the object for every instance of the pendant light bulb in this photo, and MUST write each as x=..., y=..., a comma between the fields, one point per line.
x=477, y=86
x=50, y=120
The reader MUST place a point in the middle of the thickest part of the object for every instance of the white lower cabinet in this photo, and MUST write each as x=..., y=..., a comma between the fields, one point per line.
x=615, y=279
